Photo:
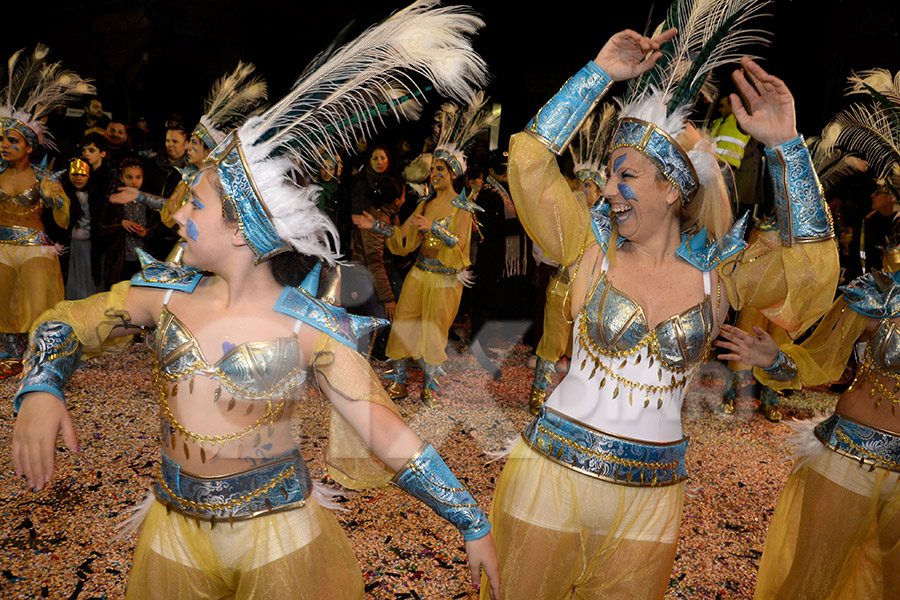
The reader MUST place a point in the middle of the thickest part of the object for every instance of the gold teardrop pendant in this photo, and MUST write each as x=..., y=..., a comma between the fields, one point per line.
x=638, y=361
x=231, y=403
x=249, y=409
x=624, y=362
x=616, y=393
x=202, y=454
x=175, y=390
x=191, y=386
x=583, y=364
x=659, y=373
x=187, y=454
x=651, y=362
x=646, y=402
x=217, y=393
x=593, y=372
x=603, y=382
x=659, y=404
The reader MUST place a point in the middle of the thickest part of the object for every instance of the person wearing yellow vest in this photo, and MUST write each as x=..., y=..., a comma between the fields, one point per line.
x=730, y=141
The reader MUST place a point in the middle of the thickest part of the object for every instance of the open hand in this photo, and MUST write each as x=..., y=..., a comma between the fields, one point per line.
x=421, y=223
x=482, y=555
x=41, y=418
x=628, y=54
x=363, y=221
x=758, y=350
x=768, y=114
x=123, y=195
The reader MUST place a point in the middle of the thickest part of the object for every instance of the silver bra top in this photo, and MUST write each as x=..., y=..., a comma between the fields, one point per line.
x=884, y=346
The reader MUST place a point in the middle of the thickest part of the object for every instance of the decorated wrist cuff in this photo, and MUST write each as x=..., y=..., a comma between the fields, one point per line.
x=438, y=231
x=800, y=205
x=57, y=202
x=783, y=369
x=556, y=123
x=428, y=478
x=52, y=356
x=382, y=228
x=150, y=201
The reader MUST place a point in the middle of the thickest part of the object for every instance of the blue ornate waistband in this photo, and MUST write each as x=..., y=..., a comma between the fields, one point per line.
x=24, y=236
x=433, y=265
x=869, y=446
x=279, y=484
x=605, y=456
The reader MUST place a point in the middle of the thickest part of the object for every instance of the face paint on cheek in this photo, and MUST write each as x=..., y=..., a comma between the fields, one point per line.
x=15, y=147
x=198, y=203
x=618, y=163
x=627, y=192
x=191, y=229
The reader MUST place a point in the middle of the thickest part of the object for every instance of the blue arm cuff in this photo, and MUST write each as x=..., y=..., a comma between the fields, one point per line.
x=442, y=234
x=783, y=369
x=151, y=201
x=427, y=477
x=800, y=205
x=382, y=228
x=556, y=123
x=52, y=356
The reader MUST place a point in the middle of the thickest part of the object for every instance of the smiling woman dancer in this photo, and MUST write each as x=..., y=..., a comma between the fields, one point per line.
x=234, y=514
x=590, y=499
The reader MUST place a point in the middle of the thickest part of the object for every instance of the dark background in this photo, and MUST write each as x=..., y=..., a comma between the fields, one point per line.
x=156, y=57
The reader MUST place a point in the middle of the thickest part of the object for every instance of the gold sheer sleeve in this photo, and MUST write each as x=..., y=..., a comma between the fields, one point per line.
x=173, y=203
x=552, y=214
x=457, y=257
x=823, y=356
x=349, y=461
x=792, y=287
x=94, y=319
x=406, y=238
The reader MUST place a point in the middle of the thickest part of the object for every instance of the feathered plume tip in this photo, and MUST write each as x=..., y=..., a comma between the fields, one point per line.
x=829, y=160
x=711, y=33
x=34, y=89
x=591, y=150
x=349, y=94
x=231, y=99
x=873, y=129
x=455, y=130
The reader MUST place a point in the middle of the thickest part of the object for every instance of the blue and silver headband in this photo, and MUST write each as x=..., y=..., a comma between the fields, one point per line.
x=657, y=145
x=10, y=124
x=591, y=175
x=254, y=219
x=203, y=133
x=454, y=163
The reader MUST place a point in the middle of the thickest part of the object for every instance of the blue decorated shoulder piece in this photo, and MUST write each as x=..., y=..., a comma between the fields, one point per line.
x=705, y=256
x=875, y=294
x=163, y=275
x=333, y=320
x=463, y=203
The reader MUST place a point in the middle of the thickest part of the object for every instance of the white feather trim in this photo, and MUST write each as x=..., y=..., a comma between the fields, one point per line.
x=136, y=518
x=652, y=108
x=802, y=439
x=703, y=157
x=466, y=277
x=505, y=450
x=327, y=496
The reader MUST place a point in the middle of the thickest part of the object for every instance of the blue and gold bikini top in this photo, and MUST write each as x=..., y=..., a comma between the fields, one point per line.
x=614, y=324
x=251, y=370
x=883, y=348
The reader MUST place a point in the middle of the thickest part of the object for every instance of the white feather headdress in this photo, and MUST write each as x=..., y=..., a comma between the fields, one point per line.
x=455, y=130
x=33, y=89
x=592, y=146
x=232, y=98
x=829, y=159
x=333, y=102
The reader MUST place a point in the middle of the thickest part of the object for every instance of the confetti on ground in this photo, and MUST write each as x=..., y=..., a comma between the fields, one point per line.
x=58, y=543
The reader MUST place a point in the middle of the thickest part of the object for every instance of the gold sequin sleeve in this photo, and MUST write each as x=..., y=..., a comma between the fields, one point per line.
x=349, y=460
x=553, y=216
x=792, y=287
x=94, y=319
x=822, y=357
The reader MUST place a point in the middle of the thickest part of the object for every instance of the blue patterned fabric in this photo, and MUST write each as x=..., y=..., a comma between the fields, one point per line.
x=220, y=498
x=203, y=133
x=870, y=446
x=428, y=478
x=8, y=124
x=556, y=123
x=602, y=225
x=783, y=369
x=706, y=255
x=453, y=162
x=398, y=371
x=875, y=294
x=52, y=356
x=433, y=265
x=542, y=371
x=607, y=457
x=441, y=233
x=253, y=216
x=330, y=319
x=24, y=236
x=668, y=156
x=382, y=228
x=163, y=275
x=800, y=205
x=589, y=175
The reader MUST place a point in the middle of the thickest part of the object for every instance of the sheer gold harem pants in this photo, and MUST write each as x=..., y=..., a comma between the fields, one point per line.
x=835, y=534
x=425, y=311
x=562, y=534
x=30, y=283
x=297, y=554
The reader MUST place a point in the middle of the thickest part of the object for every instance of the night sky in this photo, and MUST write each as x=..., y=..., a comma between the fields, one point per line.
x=157, y=57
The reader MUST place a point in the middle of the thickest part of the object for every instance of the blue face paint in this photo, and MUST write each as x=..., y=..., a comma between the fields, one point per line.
x=227, y=347
x=191, y=229
x=618, y=162
x=14, y=146
x=627, y=192
x=198, y=203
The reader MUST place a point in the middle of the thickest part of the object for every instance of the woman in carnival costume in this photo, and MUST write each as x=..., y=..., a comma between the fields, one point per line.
x=590, y=499
x=30, y=277
x=836, y=529
x=556, y=341
x=440, y=229
x=234, y=512
x=231, y=100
